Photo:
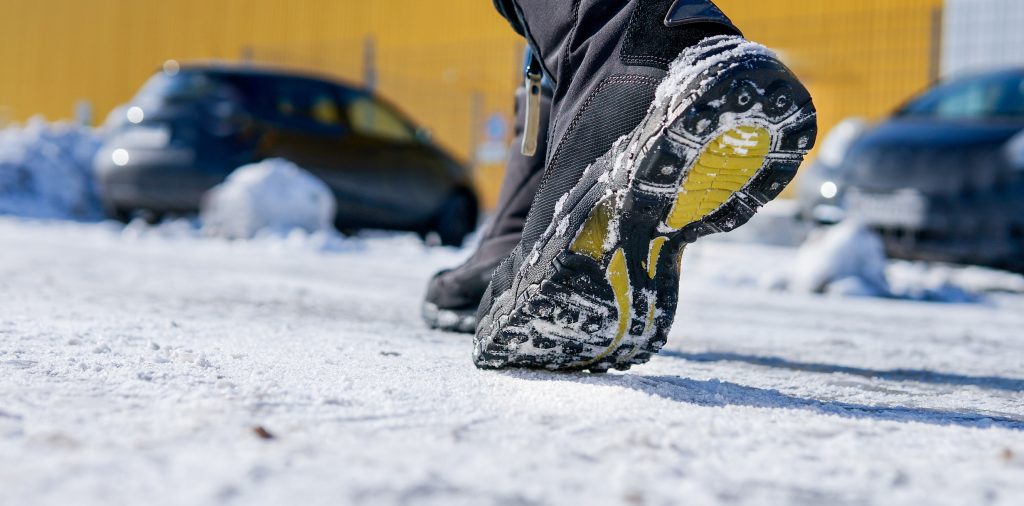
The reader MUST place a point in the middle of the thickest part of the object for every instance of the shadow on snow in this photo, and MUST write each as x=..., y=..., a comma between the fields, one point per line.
x=715, y=393
x=920, y=376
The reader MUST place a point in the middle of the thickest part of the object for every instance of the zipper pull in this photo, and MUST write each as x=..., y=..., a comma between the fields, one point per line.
x=531, y=130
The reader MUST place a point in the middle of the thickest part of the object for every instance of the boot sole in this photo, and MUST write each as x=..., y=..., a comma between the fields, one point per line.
x=718, y=144
x=450, y=320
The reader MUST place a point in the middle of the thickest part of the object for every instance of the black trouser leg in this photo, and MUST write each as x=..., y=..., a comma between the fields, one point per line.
x=461, y=288
x=606, y=58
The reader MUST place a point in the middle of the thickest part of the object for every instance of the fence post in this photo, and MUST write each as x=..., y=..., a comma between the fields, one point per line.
x=246, y=54
x=369, y=63
x=935, y=53
x=476, y=112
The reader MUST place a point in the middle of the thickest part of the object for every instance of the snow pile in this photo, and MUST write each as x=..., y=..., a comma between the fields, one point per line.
x=270, y=197
x=46, y=170
x=847, y=259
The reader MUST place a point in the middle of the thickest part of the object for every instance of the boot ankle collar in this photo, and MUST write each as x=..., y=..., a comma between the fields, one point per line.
x=684, y=12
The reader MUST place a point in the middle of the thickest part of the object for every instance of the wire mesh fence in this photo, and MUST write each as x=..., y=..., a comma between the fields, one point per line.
x=453, y=90
x=858, y=59
x=444, y=86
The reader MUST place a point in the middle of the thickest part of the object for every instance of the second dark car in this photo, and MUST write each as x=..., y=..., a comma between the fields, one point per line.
x=189, y=127
x=941, y=179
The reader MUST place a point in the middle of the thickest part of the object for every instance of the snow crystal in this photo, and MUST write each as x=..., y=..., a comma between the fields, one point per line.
x=563, y=227
x=560, y=204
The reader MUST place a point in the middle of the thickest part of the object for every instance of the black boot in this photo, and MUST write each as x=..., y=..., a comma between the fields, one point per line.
x=453, y=295
x=667, y=126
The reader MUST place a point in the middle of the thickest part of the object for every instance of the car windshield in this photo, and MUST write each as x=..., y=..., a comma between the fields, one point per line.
x=999, y=96
x=185, y=85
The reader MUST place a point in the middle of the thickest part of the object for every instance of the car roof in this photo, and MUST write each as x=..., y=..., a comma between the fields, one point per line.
x=266, y=70
x=237, y=68
x=984, y=74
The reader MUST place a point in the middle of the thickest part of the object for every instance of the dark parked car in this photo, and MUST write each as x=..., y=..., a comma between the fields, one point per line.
x=189, y=127
x=941, y=179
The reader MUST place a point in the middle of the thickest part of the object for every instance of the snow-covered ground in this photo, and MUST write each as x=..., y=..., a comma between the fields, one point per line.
x=149, y=366
x=154, y=365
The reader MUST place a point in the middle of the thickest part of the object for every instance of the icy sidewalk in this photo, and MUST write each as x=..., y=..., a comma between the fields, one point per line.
x=134, y=371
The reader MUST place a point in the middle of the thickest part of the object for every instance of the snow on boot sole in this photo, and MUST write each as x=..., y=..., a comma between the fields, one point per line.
x=726, y=133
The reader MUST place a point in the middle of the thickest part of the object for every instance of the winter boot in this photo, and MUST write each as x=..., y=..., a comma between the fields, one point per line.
x=667, y=125
x=453, y=295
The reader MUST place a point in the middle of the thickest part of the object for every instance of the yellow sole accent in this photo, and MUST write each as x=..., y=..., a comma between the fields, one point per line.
x=653, y=254
x=618, y=277
x=725, y=166
x=591, y=238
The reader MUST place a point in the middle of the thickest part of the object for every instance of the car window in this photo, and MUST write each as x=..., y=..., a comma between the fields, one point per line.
x=987, y=97
x=189, y=85
x=185, y=84
x=370, y=117
x=305, y=104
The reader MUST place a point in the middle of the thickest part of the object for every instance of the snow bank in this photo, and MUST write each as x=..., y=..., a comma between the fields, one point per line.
x=46, y=171
x=270, y=197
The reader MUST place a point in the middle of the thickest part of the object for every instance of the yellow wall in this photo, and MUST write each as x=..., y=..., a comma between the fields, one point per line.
x=857, y=57
x=449, y=64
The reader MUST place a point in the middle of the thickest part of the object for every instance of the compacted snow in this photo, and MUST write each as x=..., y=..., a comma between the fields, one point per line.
x=152, y=366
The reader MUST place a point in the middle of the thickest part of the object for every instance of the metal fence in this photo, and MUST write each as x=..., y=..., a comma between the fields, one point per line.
x=464, y=102
x=859, y=59
x=441, y=85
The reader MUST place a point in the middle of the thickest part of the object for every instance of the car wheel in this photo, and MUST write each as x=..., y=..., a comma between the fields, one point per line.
x=456, y=219
x=120, y=214
x=150, y=216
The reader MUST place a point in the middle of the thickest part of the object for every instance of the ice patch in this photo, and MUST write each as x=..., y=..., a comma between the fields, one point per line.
x=273, y=196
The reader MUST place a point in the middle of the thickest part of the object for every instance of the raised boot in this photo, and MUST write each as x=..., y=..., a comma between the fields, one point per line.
x=667, y=125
